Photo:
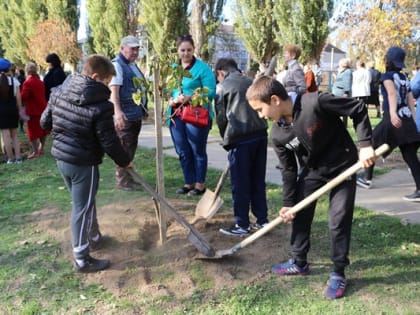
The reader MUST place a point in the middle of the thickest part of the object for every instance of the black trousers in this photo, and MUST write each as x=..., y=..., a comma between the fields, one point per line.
x=340, y=217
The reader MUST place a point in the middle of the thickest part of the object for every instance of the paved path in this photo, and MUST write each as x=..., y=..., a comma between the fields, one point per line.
x=385, y=196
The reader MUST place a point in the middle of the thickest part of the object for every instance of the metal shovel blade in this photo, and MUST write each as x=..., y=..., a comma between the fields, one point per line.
x=207, y=207
x=211, y=201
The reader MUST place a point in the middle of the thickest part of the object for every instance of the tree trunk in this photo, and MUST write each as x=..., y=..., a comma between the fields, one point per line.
x=196, y=26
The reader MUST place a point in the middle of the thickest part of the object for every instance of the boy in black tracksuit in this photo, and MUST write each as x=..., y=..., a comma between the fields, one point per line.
x=313, y=147
x=245, y=138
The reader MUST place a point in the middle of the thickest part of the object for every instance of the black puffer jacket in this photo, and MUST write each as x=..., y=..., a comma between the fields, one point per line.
x=236, y=119
x=80, y=117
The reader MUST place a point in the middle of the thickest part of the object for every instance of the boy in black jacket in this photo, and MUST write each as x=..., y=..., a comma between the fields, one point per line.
x=313, y=147
x=245, y=138
x=81, y=119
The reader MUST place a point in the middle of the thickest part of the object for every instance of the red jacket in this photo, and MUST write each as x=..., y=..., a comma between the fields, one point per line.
x=33, y=95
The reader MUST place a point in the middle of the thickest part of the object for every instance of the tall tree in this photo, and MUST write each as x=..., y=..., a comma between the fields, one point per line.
x=63, y=10
x=375, y=26
x=19, y=18
x=304, y=23
x=164, y=20
x=16, y=24
x=256, y=26
x=109, y=21
x=204, y=21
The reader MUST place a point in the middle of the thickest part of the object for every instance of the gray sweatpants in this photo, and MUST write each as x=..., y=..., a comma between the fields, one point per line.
x=82, y=183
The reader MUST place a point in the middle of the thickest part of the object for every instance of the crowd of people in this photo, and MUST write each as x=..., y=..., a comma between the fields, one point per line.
x=93, y=112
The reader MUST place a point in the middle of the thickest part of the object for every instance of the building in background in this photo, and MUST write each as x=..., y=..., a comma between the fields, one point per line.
x=225, y=44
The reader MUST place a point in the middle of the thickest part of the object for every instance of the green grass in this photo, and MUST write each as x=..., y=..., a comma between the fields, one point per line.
x=36, y=278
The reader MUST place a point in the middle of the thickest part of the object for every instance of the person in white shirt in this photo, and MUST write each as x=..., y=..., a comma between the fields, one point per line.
x=360, y=88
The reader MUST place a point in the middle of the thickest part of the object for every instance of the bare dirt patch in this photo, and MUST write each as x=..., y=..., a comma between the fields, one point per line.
x=141, y=264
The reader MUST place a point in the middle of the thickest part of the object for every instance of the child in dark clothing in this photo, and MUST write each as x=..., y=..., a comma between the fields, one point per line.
x=81, y=119
x=245, y=138
x=313, y=147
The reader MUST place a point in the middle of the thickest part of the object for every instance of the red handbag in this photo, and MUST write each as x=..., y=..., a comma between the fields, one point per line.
x=195, y=115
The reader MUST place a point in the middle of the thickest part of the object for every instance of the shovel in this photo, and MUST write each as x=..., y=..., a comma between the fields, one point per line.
x=202, y=245
x=211, y=202
x=296, y=208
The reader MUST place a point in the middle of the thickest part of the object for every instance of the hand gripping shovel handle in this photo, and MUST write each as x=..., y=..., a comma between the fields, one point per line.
x=302, y=204
x=194, y=236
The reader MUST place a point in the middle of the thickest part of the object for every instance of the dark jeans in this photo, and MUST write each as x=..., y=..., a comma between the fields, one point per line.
x=82, y=183
x=129, y=139
x=191, y=146
x=340, y=216
x=247, y=161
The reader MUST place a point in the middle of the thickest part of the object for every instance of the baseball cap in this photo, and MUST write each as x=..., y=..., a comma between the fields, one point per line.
x=130, y=41
x=397, y=56
x=5, y=64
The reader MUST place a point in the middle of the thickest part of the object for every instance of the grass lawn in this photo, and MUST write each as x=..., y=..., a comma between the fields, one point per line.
x=35, y=277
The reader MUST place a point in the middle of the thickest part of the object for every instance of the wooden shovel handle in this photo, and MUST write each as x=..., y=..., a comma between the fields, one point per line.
x=221, y=181
x=308, y=200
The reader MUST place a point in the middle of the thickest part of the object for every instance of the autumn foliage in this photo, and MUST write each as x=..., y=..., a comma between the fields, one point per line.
x=53, y=36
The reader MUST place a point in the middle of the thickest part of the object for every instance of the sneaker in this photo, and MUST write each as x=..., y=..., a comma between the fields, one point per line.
x=183, y=190
x=10, y=161
x=91, y=264
x=336, y=286
x=290, y=268
x=364, y=183
x=18, y=161
x=413, y=197
x=235, y=230
x=257, y=226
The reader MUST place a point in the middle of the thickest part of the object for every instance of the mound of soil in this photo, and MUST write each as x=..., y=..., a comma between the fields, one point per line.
x=139, y=262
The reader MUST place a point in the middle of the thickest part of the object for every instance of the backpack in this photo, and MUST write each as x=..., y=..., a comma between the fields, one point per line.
x=401, y=85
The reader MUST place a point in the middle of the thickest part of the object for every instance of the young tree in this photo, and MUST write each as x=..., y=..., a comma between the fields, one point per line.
x=304, y=23
x=256, y=26
x=204, y=21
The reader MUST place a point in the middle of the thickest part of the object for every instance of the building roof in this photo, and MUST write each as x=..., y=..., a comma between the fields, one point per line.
x=328, y=47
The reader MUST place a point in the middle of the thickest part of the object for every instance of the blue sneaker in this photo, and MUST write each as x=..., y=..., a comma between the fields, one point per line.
x=290, y=268
x=235, y=230
x=336, y=286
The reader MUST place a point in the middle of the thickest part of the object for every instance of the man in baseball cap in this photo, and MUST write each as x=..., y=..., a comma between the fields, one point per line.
x=127, y=114
x=130, y=41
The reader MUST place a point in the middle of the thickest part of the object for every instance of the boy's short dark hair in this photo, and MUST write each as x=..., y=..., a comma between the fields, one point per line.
x=264, y=87
x=98, y=64
x=226, y=64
